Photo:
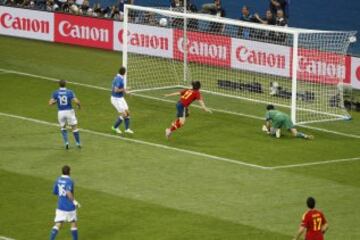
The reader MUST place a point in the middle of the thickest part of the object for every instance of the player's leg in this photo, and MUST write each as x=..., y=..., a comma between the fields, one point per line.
x=126, y=116
x=180, y=120
x=72, y=121
x=298, y=134
x=59, y=219
x=276, y=128
x=115, y=102
x=54, y=231
x=74, y=231
x=62, y=122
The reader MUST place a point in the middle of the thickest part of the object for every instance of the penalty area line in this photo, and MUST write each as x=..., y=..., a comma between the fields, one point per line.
x=315, y=163
x=157, y=145
x=170, y=101
x=6, y=238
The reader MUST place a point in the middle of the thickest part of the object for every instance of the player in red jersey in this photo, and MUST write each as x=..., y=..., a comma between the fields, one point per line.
x=313, y=222
x=187, y=96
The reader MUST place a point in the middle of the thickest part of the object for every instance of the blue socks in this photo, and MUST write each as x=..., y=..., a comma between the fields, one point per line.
x=74, y=233
x=55, y=230
x=118, y=122
x=53, y=233
x=77, y=136
x=127, y=122
x=64, y=135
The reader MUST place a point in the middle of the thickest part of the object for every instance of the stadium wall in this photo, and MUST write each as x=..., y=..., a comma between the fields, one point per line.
x=204, y=48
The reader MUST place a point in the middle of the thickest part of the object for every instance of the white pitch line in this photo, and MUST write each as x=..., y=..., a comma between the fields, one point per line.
x=228, y=160
x=213, y=157
x=315, y=163
x=5, y=238
x=170, y=101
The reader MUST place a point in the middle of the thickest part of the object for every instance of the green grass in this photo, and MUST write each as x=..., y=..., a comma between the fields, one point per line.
x=136, y=191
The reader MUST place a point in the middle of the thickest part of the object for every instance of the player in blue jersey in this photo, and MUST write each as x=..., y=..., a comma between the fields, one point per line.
x=66, y=114
x=67, y=205
x=118, y=101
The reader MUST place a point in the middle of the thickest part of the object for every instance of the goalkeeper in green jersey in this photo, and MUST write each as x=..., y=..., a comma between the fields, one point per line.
x=276, y=120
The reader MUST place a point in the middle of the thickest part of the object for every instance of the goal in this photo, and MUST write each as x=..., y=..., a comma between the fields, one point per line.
x=298, y=69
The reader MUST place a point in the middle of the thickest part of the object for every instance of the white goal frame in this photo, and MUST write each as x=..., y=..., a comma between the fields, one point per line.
x=295, y=32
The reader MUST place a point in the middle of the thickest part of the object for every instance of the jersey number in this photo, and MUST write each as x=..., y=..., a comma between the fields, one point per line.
x=63, y=100
x=187, y=94
x=62, y=191
x=317, y=223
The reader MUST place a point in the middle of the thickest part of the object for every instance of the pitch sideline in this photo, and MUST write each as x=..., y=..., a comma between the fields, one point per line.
x=170, y=101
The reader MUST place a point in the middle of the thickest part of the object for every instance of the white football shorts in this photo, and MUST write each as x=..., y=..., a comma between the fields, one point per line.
x=67, y=117
x=119, y=104
x=65, y=216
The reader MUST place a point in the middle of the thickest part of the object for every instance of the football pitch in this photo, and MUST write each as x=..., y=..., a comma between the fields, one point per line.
x=219, y=177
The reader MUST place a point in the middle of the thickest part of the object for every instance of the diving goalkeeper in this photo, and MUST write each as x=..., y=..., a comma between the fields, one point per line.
x=276, y=120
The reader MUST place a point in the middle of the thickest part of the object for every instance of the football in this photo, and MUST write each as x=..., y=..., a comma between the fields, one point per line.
x=163, y=22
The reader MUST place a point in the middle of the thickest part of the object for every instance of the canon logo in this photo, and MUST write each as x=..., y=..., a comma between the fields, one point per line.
x=66, y=29
x=245, y=55
x=320, y=68
x=145, y=40
x=25, y=24
x=203, y=49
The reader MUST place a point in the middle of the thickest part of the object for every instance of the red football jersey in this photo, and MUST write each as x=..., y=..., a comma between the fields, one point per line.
x=188, y=96
x=313, y=220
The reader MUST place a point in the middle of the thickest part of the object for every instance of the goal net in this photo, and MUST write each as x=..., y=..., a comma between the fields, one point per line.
x=297, y=69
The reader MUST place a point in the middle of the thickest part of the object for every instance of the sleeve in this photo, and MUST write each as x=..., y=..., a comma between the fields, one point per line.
x=182, y=92
x=54, y=95
x=55, y=189
x=267, y=116
x=304, y=221
x=69, y=187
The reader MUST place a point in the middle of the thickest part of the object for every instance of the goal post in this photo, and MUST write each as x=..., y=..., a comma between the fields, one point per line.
x=298, y=69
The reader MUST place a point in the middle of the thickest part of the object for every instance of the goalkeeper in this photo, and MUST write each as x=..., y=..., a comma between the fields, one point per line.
x=275, y=120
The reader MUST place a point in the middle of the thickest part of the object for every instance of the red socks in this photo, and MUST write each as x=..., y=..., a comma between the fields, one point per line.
x=175, y=125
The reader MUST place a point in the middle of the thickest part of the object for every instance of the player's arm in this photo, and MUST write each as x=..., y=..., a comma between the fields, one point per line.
x=203, y=106
x=119, y=89
x=324, y=228
x=172, y=94
x=52, y=101
x=70, y=196
x=77, y=102
x=299, y=233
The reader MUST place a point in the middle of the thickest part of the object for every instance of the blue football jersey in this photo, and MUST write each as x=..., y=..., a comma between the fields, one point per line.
x=119, y=83
x=62, y=185
x=63, y=98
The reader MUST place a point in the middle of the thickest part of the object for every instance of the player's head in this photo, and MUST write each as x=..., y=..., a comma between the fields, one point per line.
x=62, y=83
x=270, y=107
x=66, y=170
x=310, y=202
x=196, y=85
x=122, y=71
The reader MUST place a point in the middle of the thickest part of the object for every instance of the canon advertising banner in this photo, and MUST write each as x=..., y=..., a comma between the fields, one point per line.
x=84, y=31
x=26, y=24
x=204, y=48
x=147, y=40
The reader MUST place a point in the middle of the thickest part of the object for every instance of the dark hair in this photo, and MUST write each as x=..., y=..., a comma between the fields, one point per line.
x=310, y=202
x=270, y=107
x=62, y=83
x=66, y=170
x=196, y=85
x=122, y=71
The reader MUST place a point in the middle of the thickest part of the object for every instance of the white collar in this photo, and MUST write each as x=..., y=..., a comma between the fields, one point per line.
x=63, y=88
x=65, y=176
